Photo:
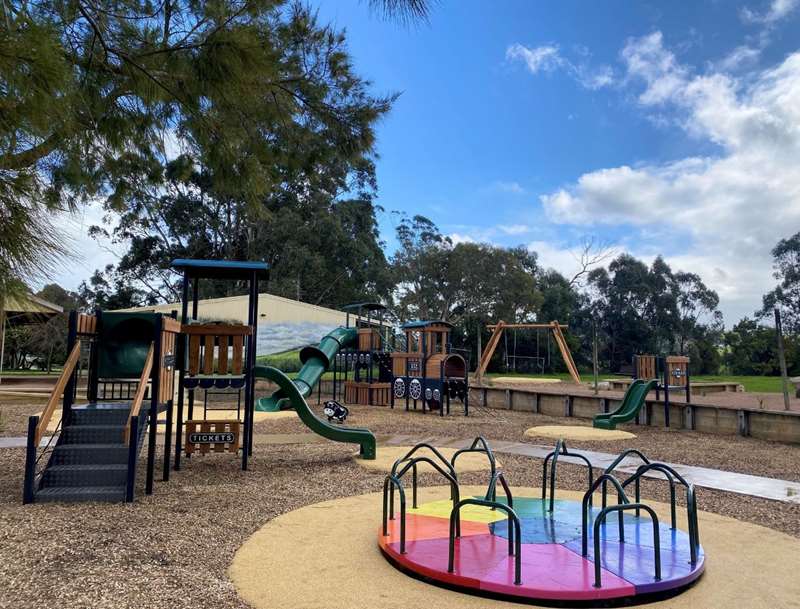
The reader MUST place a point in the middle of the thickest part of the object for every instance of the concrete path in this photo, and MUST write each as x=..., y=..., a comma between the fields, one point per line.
x=20, y=442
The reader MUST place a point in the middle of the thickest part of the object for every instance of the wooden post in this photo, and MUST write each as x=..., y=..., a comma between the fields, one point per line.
x=782, y=359
x=480, y=376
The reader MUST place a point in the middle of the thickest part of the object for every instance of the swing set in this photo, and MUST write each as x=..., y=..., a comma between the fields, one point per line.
x=554, y=331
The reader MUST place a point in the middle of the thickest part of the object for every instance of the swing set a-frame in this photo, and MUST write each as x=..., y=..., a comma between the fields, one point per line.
x=554, y=327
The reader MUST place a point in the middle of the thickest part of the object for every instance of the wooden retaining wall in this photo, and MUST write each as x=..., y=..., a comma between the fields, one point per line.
x=706, y=418
x=762, y=424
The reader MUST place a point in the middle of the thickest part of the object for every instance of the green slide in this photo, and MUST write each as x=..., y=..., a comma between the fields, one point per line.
x=292, y=393
x=631, y=404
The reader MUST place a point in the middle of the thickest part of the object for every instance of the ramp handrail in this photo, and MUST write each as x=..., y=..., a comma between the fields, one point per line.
x=138, y=397
x=49, y=409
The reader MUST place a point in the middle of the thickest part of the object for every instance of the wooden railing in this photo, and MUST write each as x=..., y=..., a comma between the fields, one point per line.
x=66, y=373
x=138, y=397
x=222, y=335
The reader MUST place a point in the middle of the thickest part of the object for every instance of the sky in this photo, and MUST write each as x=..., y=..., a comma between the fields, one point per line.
x=657, y=128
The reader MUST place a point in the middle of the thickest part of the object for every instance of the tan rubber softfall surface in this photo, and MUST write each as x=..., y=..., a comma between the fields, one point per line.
x=325, y=556
x=578, y=432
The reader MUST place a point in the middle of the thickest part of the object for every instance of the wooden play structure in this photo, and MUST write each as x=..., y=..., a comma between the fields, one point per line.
x=554, y=328
x=669, y=373
x=216, y=356
x=428, y=372
x=370, y=360
x=91, y=453
x=215, y=365
x=376, y=371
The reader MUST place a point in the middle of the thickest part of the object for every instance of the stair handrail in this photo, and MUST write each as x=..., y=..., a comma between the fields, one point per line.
x=49, y=409
x=138, y=397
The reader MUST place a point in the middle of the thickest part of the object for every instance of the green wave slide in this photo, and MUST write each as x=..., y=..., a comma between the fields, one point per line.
x=292, y=393
x=633, y=401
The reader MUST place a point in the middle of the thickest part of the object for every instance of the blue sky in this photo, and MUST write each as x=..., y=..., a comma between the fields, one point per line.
x=504, y=103
x=667, y=128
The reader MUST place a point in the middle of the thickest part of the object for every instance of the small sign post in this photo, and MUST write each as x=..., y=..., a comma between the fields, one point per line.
x=212, y=436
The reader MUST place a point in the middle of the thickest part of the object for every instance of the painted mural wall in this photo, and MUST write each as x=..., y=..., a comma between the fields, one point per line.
x=277, y=337
x=283, y=324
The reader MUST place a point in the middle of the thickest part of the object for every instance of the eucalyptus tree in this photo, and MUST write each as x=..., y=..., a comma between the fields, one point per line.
x=786, y=295
x=98, y=96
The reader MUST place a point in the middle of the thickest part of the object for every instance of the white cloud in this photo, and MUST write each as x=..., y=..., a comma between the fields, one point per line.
x=596, y=78
x=544, y=58
x=514, y=188
x=648, y=60
x=514, y=229
x=548, y=58
x=778, y=9
x=457, y=238
x=741, y=57
x=730, y=209
x=551, y=256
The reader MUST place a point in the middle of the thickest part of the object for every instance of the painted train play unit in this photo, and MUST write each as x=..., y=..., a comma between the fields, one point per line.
x=418, y=367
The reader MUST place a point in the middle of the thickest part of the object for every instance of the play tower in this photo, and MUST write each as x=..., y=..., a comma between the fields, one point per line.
x=427, y=372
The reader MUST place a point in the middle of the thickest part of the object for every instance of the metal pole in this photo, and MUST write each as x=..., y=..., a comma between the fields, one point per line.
x=782, y=359
x=246, y=446
x=254, y=337
x=155, y=395
x=2, y=339
x=28, y=490
x=594, y=355
x=180, y=361
x=69, y=390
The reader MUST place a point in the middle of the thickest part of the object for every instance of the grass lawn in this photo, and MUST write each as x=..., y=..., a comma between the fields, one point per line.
x=760, y=384
x=54, y=372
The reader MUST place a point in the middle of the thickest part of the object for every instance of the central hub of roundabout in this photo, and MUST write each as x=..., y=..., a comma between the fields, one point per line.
x=544, y=548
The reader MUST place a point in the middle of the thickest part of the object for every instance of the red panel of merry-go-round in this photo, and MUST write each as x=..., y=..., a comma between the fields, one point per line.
x=553, y=567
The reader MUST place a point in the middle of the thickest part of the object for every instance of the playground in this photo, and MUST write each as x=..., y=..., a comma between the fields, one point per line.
x=211, y=509
x=383, y=466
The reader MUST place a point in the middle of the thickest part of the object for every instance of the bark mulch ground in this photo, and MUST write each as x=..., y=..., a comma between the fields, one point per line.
x=731, y=453
x=14, y=413
x=172, y=548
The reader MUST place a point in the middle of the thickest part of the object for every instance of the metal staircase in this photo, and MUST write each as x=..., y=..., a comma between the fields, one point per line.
x=91, y=460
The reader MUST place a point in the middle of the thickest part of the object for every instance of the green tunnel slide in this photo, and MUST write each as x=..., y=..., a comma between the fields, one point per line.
x=291, y=393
